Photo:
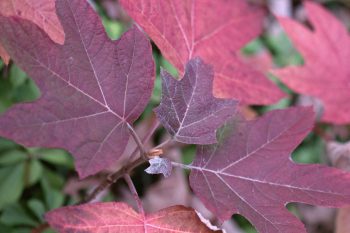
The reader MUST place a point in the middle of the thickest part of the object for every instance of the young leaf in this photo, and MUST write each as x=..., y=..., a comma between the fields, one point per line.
x=120, y=218
x=92, y=88
x=326, y=50
x=187, y=29
x=160, y=166
x=40, y=12
x=188, y=109
x=250, y=172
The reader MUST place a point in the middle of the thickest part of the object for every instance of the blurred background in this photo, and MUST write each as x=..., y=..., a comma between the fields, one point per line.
x=36, y=180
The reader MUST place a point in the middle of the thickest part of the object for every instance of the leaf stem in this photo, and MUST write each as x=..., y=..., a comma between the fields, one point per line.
x=184, y=166
x=138, y=141
x=132, y=188
x=164, y=143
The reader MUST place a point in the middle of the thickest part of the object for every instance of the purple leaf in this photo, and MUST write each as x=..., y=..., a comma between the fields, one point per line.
x=91, y=87
x=188, y=109
x=250, y=172
x=160, y=166
x=118, y=217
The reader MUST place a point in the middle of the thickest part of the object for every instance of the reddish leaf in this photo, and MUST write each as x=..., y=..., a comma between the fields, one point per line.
x=214, y=31
x=188, y=109
x=326, y=73
x=91, y=87
x=250, y=172
x=120, y=218
x=41, y=12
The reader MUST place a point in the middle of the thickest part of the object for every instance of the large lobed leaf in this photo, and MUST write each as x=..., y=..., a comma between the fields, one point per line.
x=214, y=31
x=92, y=88
x=120, y=218
x=250, y=172
x=188, y=109
x=326, y=73
x=40, y=12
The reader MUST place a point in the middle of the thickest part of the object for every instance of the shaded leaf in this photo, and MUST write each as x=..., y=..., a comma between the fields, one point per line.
x=11, y=184
x=160, y=166
x=250, y=172
x=40, y=12
x=16, y=215
x=326, y=51
x=37, y=207
x=119, y=217
x=92, y=88
x=188, y=109
x=187, y=29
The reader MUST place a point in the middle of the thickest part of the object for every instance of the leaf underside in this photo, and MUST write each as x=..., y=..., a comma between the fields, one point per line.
x=40, y=12
x=326, y=51
x=186, y=29
x=120, y=218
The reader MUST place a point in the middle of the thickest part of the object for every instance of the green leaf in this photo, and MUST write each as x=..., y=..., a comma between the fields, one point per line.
x=253, y=47
x=114, y=29
x=26, y=92
x=4, y=228
x=12, y=157
x=56, y=157
x=11, y=184
x=6, y=144
x=53, y=198
x=16, y=215
x=17, y=76
x=37, y=207
x=35, y=171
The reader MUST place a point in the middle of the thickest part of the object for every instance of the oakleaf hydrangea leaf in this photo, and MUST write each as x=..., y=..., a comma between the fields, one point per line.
x=326, y=72
x=188, y=109
x=250, y=172
x=120, y=218
x=91, y=87
x=214, y=31
x=160, y=166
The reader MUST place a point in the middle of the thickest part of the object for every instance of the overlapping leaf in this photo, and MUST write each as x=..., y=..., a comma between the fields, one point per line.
x=120, y=218
x=326, y=73
x=188, y=109
x=250, y=172
x=40, y=12
x=92, y=88
x=214, y=31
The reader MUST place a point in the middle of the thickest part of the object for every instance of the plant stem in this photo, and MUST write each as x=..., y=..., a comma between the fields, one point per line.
x=137, y=140
x=132, y=188
x=184, y=166
x=114, y=177
x=164, y=143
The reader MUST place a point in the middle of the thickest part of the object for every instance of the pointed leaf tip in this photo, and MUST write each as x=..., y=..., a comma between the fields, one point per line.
x=188, y=109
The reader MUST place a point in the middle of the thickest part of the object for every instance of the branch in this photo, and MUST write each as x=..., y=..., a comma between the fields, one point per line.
x=114, y=177
x=132, y=188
